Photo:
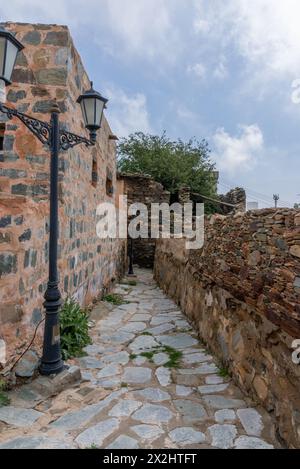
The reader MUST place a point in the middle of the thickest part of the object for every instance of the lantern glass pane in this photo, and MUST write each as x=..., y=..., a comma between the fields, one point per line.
x=2, y=53
x=11, y=56
x=89, y=105
x=99, y=111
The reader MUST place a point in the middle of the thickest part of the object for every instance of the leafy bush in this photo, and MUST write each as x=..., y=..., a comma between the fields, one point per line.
x=74, y=330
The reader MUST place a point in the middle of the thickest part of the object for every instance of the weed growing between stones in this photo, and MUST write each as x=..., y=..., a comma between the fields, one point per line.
x=4, y=399
x=124, y=385
x=148, y=355
x=133, y=356
x=147, y=333
x=175, y=357
x=224, y=372
x=74, y=330
x=115, y=299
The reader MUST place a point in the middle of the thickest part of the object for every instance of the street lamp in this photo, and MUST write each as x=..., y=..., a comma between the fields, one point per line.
x=92, y=106
x=57, y=139
x=9, y=49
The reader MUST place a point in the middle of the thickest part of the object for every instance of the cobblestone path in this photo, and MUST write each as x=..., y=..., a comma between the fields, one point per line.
x=147, y=383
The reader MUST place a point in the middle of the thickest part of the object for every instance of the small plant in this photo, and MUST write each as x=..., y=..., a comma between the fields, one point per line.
x=115, y=299
x=147, y=333
x=148, y=355
x=4, y=399
x=124, y=385
x=175, y=357
x=74, y=330
x=133, y=356
x=224, y=372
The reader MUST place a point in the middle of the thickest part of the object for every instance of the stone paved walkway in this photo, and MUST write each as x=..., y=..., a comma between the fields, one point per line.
x=148, y=383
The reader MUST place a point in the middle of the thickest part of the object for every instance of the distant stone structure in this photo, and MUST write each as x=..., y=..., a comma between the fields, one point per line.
x=143, y=189
x=235, y=197
x=50, y=68
x=242, y=293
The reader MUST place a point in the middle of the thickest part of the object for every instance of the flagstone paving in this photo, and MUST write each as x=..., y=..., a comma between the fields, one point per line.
x=148, y=382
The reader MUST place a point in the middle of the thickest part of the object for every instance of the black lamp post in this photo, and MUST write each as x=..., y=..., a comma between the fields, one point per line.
x=57, y=139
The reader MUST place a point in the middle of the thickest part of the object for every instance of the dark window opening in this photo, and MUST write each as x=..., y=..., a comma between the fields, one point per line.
x=2, y=132
x=94, y=173
x=109, y=184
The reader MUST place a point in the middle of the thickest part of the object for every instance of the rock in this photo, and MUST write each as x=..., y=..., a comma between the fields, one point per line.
x=80, y=418
x=27, y=365
x=183, y=391
x=160, y=329
x=295, y=250
x=186, y=436
x=54, y=76
x=161, y=359
x=120, y=358
x=134, y=327
x=158, y=320
x=246, y=442
x=140, y=318
x=117, y=338
x=57, y=38
x=124, y=442
x=212, y=389
x=214, y=380
x=191, y=411
x=18, y=417
x=197, y=358
x=261, y=387
x=220, y=402
x=36, y=442
x=223, y=436
x=137, y=375
x=150, y=413
x=226, y=415
x=95, y=436
x=143, y=343
x=109, y=370
x=251, y=421
x=140, y=361
x=125, y=408
x=177, y=341
x=148, y=432
x=202, y=370
x=154, y=394
x=164, y=376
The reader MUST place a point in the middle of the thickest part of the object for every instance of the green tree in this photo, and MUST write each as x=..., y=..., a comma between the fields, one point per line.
x=173, y=164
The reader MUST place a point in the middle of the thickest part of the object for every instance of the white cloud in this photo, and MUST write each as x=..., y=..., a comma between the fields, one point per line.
x=221, y=71
x=265, y=32
x=130, y=27
x=238, y=153
x=197, y=69
x=127, y=113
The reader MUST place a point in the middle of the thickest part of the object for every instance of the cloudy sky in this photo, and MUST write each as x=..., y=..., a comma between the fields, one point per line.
x=228, y=71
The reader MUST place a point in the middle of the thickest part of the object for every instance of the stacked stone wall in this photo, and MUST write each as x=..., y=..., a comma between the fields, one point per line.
x=242, y=293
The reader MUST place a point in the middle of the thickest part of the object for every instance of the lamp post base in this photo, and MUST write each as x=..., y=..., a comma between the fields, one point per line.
x=48, y=369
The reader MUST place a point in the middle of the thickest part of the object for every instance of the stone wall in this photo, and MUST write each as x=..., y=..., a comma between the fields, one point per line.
x=242, y=293
x=142, y=189
x=50, y=68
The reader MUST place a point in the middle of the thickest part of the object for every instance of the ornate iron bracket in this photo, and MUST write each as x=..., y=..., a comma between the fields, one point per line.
x=69, y=140
x=42, y=130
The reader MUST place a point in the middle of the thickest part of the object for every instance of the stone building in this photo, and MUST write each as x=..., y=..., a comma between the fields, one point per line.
x=50, y=69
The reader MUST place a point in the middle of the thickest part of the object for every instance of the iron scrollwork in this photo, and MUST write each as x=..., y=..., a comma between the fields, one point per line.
x=69, y=140
x=42, y=130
